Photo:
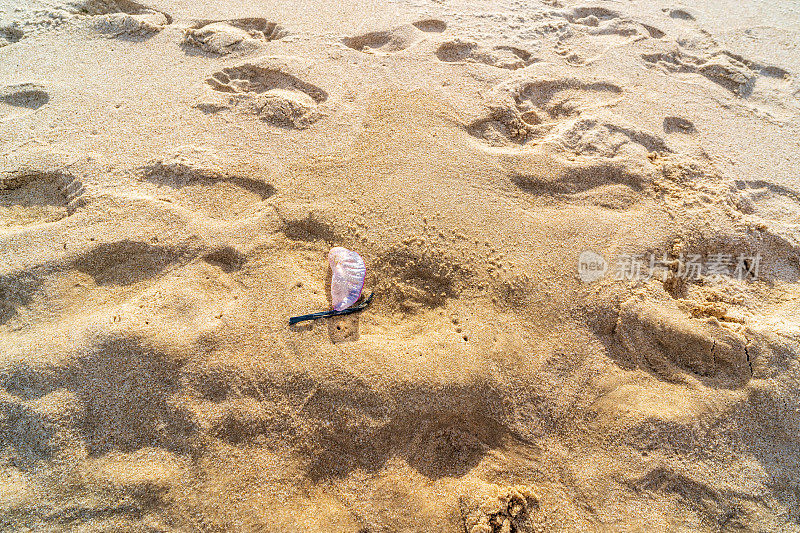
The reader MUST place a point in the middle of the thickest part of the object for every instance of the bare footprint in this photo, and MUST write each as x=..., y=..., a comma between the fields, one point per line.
x=228, y=36
x=395, y=39
x=21, y=99
x=29, y=197
x=608, y=184
x=608, y=138
x=678, y=125
x=270, y=93
x=10, y=34
x=128, y=262
x=538, y=107
x=123, y=17
x=665, y=340
x=508, y=57
x=710, y=497
x=197, y=180
x=564, y=98
x=769, y=201
x=430, y=25
x=603, y=21
x=735, y=73
x=680, y=14
x=593, y=30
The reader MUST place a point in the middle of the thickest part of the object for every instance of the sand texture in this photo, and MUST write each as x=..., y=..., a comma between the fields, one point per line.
x=172, y=176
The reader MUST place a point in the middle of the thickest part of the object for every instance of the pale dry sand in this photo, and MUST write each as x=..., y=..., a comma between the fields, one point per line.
x=174, y=175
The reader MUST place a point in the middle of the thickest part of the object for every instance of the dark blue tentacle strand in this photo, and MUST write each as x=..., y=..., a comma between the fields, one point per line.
x=324, y=314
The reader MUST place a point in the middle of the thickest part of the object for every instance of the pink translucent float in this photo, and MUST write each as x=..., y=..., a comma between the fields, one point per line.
x=347, y=277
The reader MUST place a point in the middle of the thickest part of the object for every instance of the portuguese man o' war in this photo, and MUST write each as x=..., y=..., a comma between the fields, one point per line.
x=347, y=277
x=347, y=281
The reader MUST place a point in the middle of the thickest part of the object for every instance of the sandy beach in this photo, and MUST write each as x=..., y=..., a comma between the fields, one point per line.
x=581, y=230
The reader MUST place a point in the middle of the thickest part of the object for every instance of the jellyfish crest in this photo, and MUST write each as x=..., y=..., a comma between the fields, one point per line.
x=347, y=277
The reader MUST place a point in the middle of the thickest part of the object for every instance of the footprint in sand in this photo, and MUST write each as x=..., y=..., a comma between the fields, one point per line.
x=680, y=14
x=10, y=34
x=530, y=110
x=127, y=262
x=508, y=57
x=662, y=338
x=29, y=197
x=733, y=72
x=226, y=258
x=197, y=180
x=765, y=90
x=769, y=201
x=610, y=138
x=229, y=36
x=123, y=17
x=714, y=504
x=21, y=99
x=430, y=25
x=600, y=21
x=594, y=30
x=124, y=383
x=609, y=184
x=685, y=30
x=269, y=91
x=395, y=39
x=556, y=110
x=18, y=290
x=678, y=125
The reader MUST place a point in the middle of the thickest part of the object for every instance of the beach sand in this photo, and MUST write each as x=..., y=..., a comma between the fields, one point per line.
x=174, y=174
